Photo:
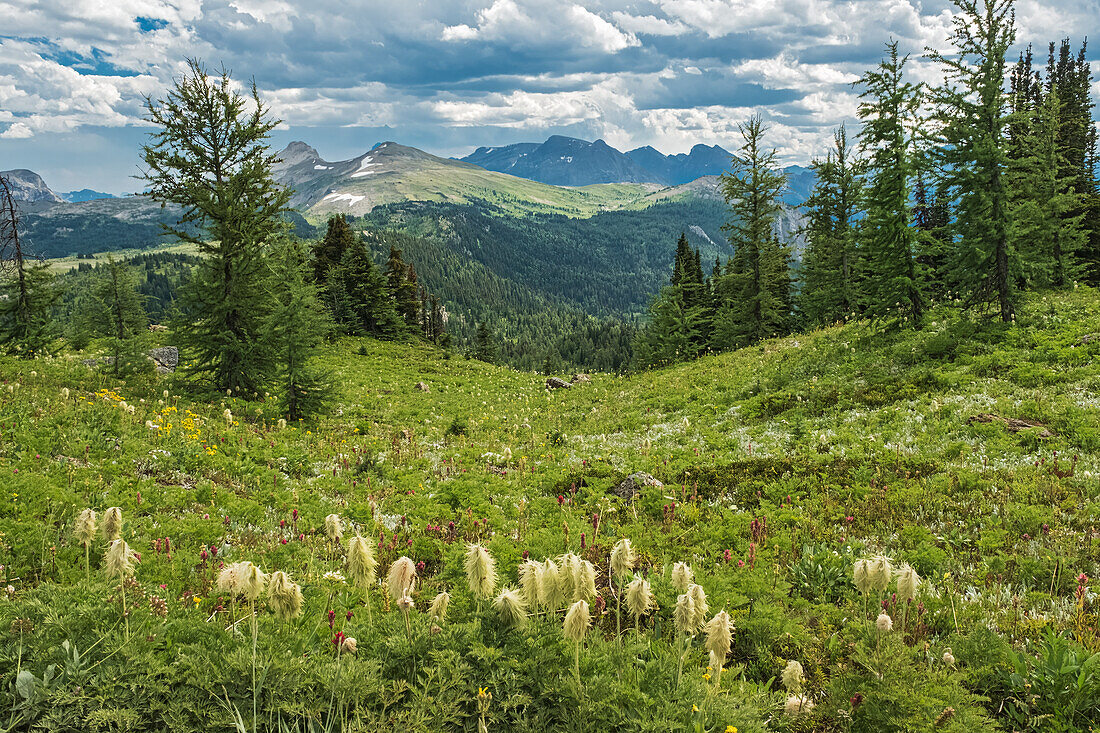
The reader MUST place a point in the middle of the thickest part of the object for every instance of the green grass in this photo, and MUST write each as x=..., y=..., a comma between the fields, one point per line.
x=795, y=457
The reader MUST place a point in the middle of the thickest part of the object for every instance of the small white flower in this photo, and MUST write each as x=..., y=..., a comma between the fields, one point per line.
x=334, y=576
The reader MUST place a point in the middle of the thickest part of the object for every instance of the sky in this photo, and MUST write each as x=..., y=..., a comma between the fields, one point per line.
x=448, y=76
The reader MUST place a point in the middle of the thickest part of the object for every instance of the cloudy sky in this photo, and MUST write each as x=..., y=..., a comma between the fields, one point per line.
x=450, y=75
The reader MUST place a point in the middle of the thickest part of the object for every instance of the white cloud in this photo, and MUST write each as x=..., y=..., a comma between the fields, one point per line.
x=541, y=23
x=17, y=131
x=648, y=24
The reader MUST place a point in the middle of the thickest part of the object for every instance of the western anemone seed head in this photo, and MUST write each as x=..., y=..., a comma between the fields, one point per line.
x=699, y=604
x=529, y=577
x=623, y=557
x=438, y=609
x=349, y=645
x=793, y=677
x=228, y=415
x=85, y=527
x=119, y=560
x=576, y=622
x=334, y=528
x=684, y=615
x=639, y=598
x=284, y=596
x=584, y=580
x=948, y=657
x=719, y=632
x=361, y=562
x=567, y=576
x=65, y=392
x=511, y=609
x=112, y=524
x=481, y=571
x=861, y=574
x=401, y=578
x=797, y=705
x=551, y=588
x=251, y=581
x=405, y=603
x=884, y=623
x=227, y=578
x=282, y=423
x=908, y=581
x=681, y=576
x=881, y=572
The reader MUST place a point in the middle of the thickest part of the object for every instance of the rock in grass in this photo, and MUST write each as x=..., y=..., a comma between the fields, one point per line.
x=556, y=383
x=422, y=387
x=632, y=485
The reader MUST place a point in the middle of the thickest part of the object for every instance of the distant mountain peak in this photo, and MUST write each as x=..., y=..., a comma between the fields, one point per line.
x=26, y=185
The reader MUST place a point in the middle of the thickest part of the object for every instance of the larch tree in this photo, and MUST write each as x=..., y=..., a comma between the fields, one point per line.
x=888, y=108
x=972, y=116
x=210, y=156
x=27, y=292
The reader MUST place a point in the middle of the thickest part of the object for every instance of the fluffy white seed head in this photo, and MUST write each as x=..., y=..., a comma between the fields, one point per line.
x=85, y=527
x=551, y=587
x=361, y=562
x=884, y=623
x=401, y=578
x=719, y=632
x=623, y=557
x=284, y=596
x=511, y=609
x=639, y=598
x=577, y=619
x=793, y=677
x=908, y=582
x=681, y=576
x=438, y=609
x=119, y=560
x=683, y=617
x=567, y=576
x=948, y=657
x=334, y=528
x=861, y=575
x=481, y=571
x=881, y=573
x=405, y=603
x=529, y=577
x=112, y=524
x=584, y=580
x=699, y=605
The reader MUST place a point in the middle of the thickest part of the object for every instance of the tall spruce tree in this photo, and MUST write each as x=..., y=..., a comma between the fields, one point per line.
x=971, y=109
x=888, y=109
x=1046, y=211
x=296, y=323
x=210, y=155
x=1077, y=145
x=403, y=288
x=27, y=292
x=115, y=311
x=485, y=344
x=755, y=292
x=830, y=264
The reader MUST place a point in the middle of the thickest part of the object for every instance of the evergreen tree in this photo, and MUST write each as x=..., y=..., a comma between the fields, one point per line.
x=971, y=109
x=830, y=262
x=27, y=293
x=673, y=332
x=485, y=345
x=888, y=109
x=210, y=155
x=361, y=286
x=329, y=250
x=403, y=288
x=932, y=218
x=1046, y=211
x=756, y=292
x=296, y=323
x=115, y=311
x=1077, y=145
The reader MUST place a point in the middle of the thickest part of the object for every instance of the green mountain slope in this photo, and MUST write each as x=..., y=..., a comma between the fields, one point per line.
x=782, y=464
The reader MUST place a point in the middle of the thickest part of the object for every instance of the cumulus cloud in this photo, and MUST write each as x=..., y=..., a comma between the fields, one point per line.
x=453, y=74
x=542, y=23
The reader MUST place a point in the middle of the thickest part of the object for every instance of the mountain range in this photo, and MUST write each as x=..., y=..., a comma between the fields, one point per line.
x=28, y=186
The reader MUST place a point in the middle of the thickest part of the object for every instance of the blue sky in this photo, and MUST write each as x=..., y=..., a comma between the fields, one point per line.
x=451, y=75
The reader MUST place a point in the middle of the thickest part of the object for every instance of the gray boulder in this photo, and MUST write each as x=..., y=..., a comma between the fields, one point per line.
x=166, y=359
x=556, y=383
x=632, y=485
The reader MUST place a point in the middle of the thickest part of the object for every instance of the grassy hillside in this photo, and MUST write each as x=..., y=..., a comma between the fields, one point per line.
x=782, y=465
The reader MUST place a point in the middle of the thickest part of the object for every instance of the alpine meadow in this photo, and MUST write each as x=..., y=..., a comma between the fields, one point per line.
x=796, y=430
